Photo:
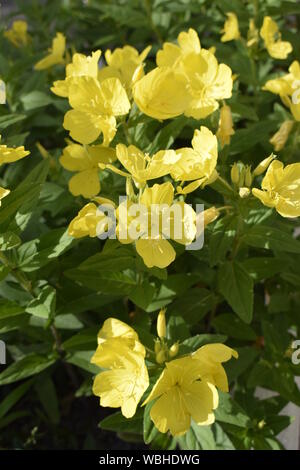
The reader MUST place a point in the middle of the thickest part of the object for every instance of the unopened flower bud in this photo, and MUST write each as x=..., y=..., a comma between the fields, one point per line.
x=263, y=166
x=248, y=176
x=244, y=192
x=281, y=136
x=241, y=182
x=161, y=324
x=157, y=346
x=235, y=173
x=261, y=424
x=160, y=357
x=173, y=351
x=210, y=215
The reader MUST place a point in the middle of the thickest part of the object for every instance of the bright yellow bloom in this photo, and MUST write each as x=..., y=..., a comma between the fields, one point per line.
x=120, y=351
x=81, y=66
x=281, y=189
x=90, y=221
x=161, y=324
x=141, y=167
x=226, y=129
x=124, y=63
x=281, y=136
x=18, y=35
x=182, y=394
x=3, y=193
x=162, y=93
x=188, y=80
x=210, y=358
x=231, y=28
x=197, y=163
x=270, y=34
x=9, y=155
x=85, y=161
x=56, y=53
x=95, y=106
x=253, y=34
x=158, y=217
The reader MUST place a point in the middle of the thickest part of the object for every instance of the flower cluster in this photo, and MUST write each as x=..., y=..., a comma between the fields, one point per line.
x=185, y=389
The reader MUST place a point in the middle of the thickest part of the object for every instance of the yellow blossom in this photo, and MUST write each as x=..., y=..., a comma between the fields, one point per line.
x=281, y=136
x=3, y=193
x=281, y=189
x=56, y=53
x=9, y=155
x=80, y=66
x=85, y=161
x=182, y=394
x=124, y=63
x=231, y=28
x=270, y=34
x=90, y=221
x=18, y=35
x=95, y=106
x=126, y=379
x=226, y=129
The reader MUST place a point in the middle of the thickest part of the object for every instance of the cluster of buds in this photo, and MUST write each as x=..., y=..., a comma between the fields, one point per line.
x=161, y=349
x=242, y=175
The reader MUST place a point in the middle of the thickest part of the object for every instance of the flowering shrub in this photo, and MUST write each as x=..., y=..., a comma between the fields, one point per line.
x=149, y=241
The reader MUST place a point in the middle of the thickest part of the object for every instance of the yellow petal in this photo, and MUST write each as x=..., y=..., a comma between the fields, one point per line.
x=85, y=183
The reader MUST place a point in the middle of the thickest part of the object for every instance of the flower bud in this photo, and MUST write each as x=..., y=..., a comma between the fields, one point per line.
x=263, y=166
x=281, y=136
x=161, y=324
x=235, y=173
x=157, y=346
x=244, y=192
x=160, y=357
x=209, y=215
x=248, y=176
x=241, y=182
x=261, y=424
x=173, y=351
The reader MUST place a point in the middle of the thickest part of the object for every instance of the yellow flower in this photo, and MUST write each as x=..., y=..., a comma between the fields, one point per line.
x=3, y=193
x=182, y=394
x=281, y=189
x=56, y=53
x=197, y=163
x=281, y=136
x=85, y=161
x=210, y=358
x=9, y=155
x=142, y=167
x=124, y=63
x=270, y=34
x=157, y=219
x=81, y=66
x=226, y=129
x=120, y=351
x=95, y=106
x=18, y=35
x=90, y=221
x=162, y=93
x=231, y=28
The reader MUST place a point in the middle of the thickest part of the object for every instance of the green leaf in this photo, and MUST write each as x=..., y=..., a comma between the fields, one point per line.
x=194, y=305
x=233, y=327
x=29, y=365
x=117, y=422
x=9, y=309
x=9, y=240
x=150, y=431
x=44, y=305
x=35, y=99
x=9, y=119
x=13, y=397
x=261, y=236
x=236, y=285
x=265, y=267
x=82, y=359
x=221, y=239
x=230, y=412
x=198, y=438
x=47, y=395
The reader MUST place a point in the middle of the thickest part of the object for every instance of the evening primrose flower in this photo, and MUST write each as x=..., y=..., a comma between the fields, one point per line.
x=253, y=34
x=3, y=193
x=279, y=139
x=126, y=379
x=80, y=66
x=124, y=63
x=162, y=93
x=231, y=28
x=158, y=218
x=225, y=130
x=95, y=107
x=182, y=394
x=85, y=161
x=281, y=189
x=270, y=34
x=90, y=221
x=197, y=163
x=141, y=167
x=56, y=53
x=18, y=35
x=10, y=154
